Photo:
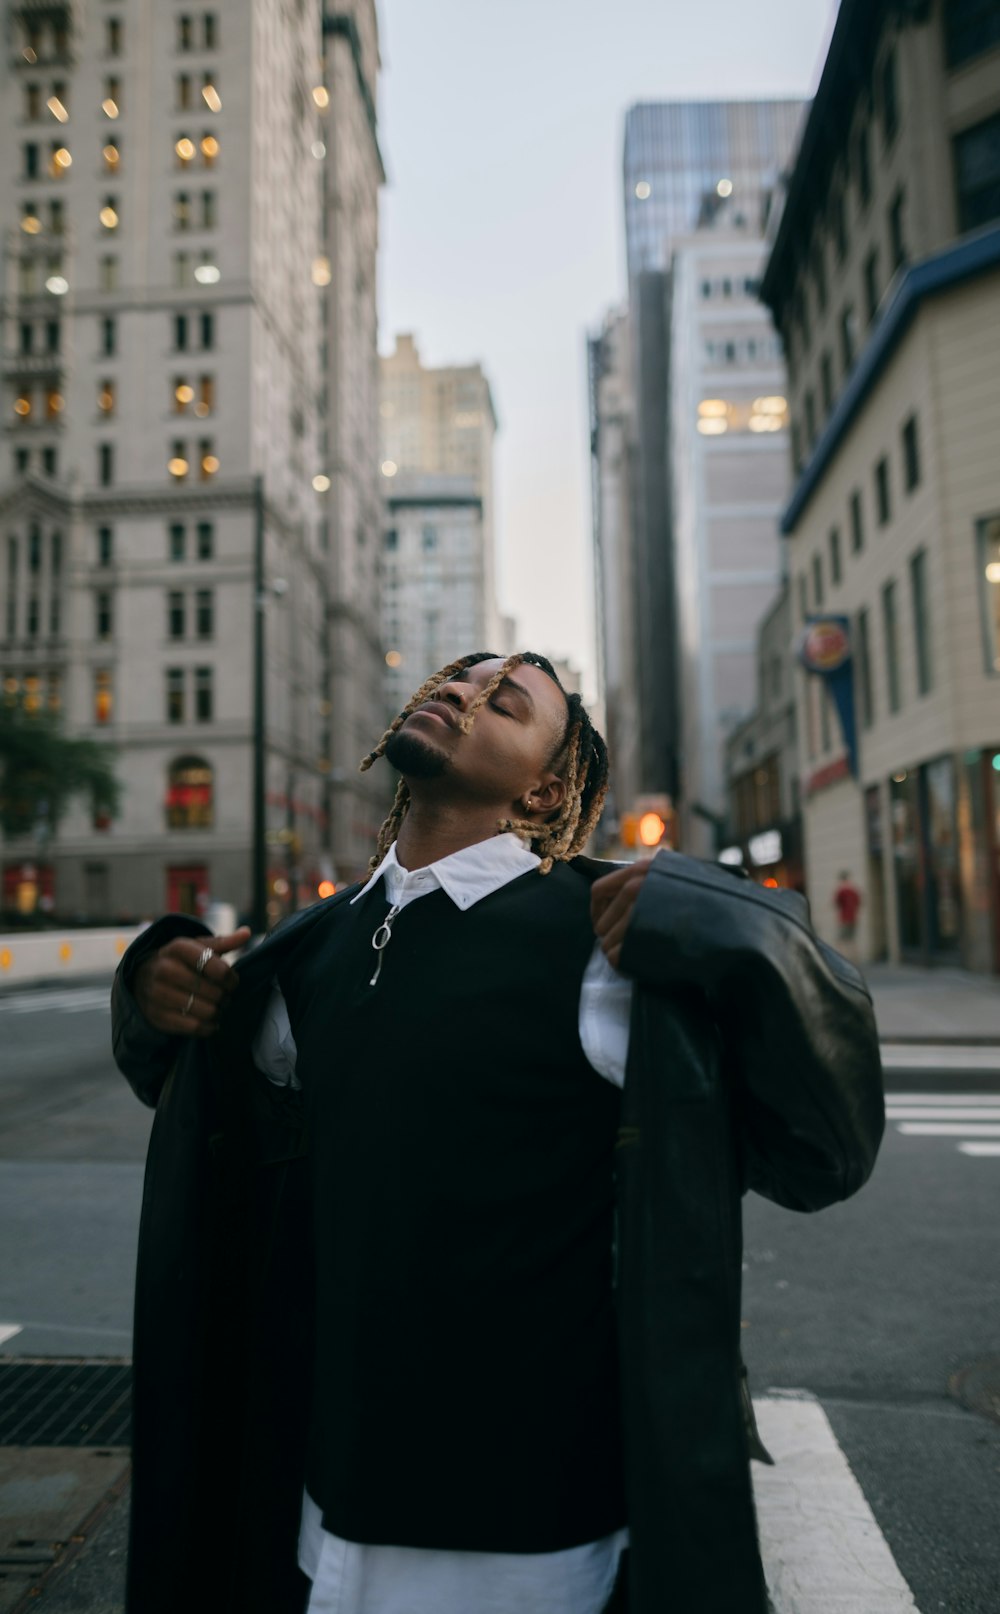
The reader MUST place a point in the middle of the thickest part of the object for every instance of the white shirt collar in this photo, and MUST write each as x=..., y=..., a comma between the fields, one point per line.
x=466, y=876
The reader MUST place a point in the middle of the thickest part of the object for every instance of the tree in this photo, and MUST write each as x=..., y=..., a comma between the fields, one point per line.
x=42, y=770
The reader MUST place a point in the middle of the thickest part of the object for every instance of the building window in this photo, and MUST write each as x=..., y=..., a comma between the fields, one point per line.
x=889, y=98
x=189, y=794
x=857, y=523
x=208, y=463
x=897, y=232
x=862, y=152
x=864, y=671
x=206, y=540
x=848, y=338
x=971, y=28
x=175, y=694
x=32, y=624
x=182, y=210
x=205, y=613
x=109, y=336
x=112, y=103
x=977, y=174
x=30, y=164
x=109, y=272
x=105, y=546
x=826, y=381
x=810, y=408
x=180, y=332
x=103, y=695
x=185, y=33
x=110, y=214
x=176, y=615
x=57, y=218
x=203, y=698
x=817, y=581
x=890, y=630
x=207, y=331
x=52, y=336
x=112, y=154
x=871, y=284
x=206, y=399
x=107, y=396
x=988, y=553
x=178, y=464
x=208, y=210
x=177, y=541
x=911, y=454
x=183, y=102
x=103, y=624
x=883, y=501
x=429, y=538
x=50, y=462
x=838, y=223
x=210, y=31
x=113, y=36
x=105, y=464
x=182, y=268
x=836, y=563
x=921, y=620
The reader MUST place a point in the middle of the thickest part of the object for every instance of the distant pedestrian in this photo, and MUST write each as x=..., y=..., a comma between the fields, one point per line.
x=847, y=901
x=438, y=1298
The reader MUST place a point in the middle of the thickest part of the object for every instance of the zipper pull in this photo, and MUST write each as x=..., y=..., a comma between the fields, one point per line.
x=381, y=940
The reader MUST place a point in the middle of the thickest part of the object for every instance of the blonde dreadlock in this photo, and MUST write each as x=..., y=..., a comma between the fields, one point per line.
x=581, y=761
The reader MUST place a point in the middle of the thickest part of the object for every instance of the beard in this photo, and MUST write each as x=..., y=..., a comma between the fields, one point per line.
x=414, y=757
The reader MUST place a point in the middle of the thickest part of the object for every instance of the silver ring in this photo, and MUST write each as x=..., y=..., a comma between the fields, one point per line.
x=187, y=1007
x=203, y=958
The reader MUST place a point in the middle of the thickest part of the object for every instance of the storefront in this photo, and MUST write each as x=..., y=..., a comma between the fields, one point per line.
x=945, y=860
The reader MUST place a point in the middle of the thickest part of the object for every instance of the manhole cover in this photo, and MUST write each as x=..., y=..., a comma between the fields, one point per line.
x=47, y=1403
x=978, y=1387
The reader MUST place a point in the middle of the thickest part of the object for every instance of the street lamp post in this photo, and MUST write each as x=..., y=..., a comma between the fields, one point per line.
x=258, y=919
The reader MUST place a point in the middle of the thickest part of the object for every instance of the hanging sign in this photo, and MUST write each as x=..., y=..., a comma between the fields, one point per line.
x=825, y=651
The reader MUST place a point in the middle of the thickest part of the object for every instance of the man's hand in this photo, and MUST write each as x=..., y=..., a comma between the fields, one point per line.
x=178, y=992
x=612, y=899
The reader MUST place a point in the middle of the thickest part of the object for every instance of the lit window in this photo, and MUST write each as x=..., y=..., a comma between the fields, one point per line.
x=209, y=461
x=185, y=149
x=54, y=404
x=103, y=695
x=183, y=395
x=175, y=694
x=988, y=556
x=31, y=224
x=109, y=213
x=209, y=149
x=22, y=404
x=321, y=96
x=321, y=271
x=178, y=465
x=57, y=108
x=106, y=397
x=62, y=161
x=206, y=400
x=182, y=211
x=189, y=790
x=210, y=94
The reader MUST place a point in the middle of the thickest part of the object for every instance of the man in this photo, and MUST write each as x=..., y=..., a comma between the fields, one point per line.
x=438, y=1285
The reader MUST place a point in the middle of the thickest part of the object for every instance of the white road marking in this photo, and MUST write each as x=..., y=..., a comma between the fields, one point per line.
x=942, y=1112
x=979, y=1148
x=992, y=1099
x=70, y=1002
x=822, y=1548
x=949, y=1129
x=940, y=1056
x=8, y=1330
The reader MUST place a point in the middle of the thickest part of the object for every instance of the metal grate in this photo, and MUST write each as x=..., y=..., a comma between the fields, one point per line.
x=50, y=1403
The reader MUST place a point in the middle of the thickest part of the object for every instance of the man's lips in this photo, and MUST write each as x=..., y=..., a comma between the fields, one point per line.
x=437, y=709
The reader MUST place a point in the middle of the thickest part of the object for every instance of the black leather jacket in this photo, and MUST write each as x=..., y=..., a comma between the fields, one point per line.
x=753, y=1063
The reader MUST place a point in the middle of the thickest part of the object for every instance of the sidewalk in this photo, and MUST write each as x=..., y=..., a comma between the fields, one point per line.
x=934, y=1005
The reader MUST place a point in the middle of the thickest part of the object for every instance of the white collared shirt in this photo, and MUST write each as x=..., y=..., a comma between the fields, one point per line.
x=352, y=1578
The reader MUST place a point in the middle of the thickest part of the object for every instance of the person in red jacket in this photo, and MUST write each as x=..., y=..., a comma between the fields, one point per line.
x=847, y=901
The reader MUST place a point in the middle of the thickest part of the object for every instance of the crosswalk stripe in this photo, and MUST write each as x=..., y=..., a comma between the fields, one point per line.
x=821, y=1546
x=980, y=1148
x=46, y=1002
x=993, y=1099
x=950, y=1129
x=942, y=1112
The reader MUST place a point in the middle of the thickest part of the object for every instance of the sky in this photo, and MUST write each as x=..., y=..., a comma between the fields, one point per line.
x=502, y=238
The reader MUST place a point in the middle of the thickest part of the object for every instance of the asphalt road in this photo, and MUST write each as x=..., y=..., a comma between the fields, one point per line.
x=871, y=1306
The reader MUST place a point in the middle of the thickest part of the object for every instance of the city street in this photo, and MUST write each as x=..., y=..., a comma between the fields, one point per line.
x=870, y=1307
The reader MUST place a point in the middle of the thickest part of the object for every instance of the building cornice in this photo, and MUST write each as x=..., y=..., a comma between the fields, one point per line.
x=974, y=255
x=342, y=24
x=847, y=73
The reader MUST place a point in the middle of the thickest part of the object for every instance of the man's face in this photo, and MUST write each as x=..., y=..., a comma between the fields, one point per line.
x=507, y=752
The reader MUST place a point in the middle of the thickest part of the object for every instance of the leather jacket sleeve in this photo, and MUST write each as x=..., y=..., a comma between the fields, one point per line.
x=144, y=1055
x=795, y=1021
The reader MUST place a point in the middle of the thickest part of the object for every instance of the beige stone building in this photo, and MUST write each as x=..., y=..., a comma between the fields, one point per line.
x=438, y=592
x=885, y=282
x=170, y=302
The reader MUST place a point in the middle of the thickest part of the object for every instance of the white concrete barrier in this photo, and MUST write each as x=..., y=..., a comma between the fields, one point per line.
x=51, y=955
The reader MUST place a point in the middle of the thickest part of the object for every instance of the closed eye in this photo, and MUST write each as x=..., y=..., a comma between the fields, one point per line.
x=502, y=710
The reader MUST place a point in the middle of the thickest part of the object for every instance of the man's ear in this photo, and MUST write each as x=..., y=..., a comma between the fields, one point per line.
x=548, y=796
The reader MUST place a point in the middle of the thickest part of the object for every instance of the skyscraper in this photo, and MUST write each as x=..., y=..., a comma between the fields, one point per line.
x=167, y=348
x=439, y=588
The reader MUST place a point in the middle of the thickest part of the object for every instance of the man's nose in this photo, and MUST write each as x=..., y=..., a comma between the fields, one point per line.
x=454, y=694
